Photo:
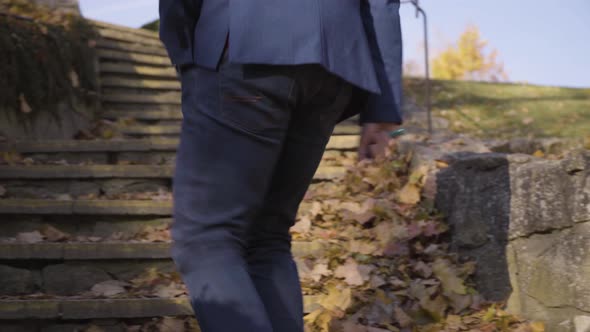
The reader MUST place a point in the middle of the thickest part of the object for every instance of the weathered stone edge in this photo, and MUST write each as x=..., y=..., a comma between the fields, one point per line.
x=116, y=145
x=338, y=142
x=128, y=37
x=106, y=308
x=86, y=171
x=142, y=32
x=143, y=114
x=114, y=250
x=119, y=171
x=129, y=47
x=85, y=207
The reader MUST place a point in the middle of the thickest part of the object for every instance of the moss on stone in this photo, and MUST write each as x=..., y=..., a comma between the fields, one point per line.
x=48, y=60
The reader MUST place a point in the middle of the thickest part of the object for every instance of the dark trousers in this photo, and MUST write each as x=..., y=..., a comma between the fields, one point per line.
x=252, y=139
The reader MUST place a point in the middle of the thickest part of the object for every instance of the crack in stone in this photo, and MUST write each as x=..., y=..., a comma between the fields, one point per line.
x=548, y=231
x=585, y=311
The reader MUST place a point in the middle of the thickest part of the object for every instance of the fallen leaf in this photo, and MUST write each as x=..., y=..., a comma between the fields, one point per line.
x=377, y=281
x=353, y=273
x=93, y=328
x=350, y=326
x=319, y=271
x=53, y=234
x=321, y=318
x=12, y=158
x=539, y=154
x=30, y=237
x=537, y=327
x=455, y=323
x=2, y=191
x=402, y=317
x=171, y=324
x=418, y=176
x=303, y=226
x=442, y=164
x=109, y=288
x=337, y=299
x=459, y=302
x=169, y=291
x=24, y=105
x=409, y=194
x=423, y=269
x=434, y=307
x=363, y=247
x=448, y=277
x=74, y=78
x=395, y=248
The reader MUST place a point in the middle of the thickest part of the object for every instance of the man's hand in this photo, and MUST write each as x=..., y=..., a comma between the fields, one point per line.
x=375, y=139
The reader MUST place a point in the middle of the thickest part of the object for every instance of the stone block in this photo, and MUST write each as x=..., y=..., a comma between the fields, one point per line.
x=71, y=279
x=14, y=281
x=123, y=186
x=526, y=222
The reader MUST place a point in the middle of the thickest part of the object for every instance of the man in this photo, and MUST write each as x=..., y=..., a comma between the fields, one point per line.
x=264, y=82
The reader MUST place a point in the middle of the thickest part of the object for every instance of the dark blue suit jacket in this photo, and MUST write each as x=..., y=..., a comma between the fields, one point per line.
x=358, y=40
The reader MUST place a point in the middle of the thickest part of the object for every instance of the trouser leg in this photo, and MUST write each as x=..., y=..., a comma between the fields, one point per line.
x=270, y=261
x=234, y=126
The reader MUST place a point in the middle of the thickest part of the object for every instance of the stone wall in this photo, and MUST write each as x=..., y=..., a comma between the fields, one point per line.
x=48, y=83
x=526, y=221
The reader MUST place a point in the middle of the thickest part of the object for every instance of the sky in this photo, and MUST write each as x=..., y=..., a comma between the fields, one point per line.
x=543, y=42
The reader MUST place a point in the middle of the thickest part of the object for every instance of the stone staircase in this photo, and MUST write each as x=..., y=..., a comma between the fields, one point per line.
x=71, y=211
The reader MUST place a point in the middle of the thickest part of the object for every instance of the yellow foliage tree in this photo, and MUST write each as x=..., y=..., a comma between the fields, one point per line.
x=467, y=60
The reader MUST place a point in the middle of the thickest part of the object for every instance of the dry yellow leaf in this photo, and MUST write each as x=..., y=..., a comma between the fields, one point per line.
x=409, y=194
x=337, y=299
x=448, y=277
x=537, y=327
x=539, y=154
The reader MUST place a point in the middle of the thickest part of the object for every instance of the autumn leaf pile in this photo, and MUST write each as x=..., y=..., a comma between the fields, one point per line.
x=379, y=258
x=386, y=264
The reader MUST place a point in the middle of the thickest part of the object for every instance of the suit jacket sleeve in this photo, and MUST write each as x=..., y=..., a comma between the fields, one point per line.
x=382, y=26
x=177, y=25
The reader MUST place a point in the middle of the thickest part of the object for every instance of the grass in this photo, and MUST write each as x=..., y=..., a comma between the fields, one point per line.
x=508, y=110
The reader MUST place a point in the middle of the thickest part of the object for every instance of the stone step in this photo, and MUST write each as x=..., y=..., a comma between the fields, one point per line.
x=150, y=150
x=138, y=32
x=138, y=70
x=110, y=81
x=79, y=309
x=168, y=98
x=114, y=145
x=85, y=207
x=128, y=209
x=142, y=130
x=84, y=228
x=84, y=309
x=337, y=142
x=35, y=172
x=133, y=57
x=128, y=37
x=172, y=129
x=142, y=115
x=128, y=47
x=114, y=251
x=44, y=172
